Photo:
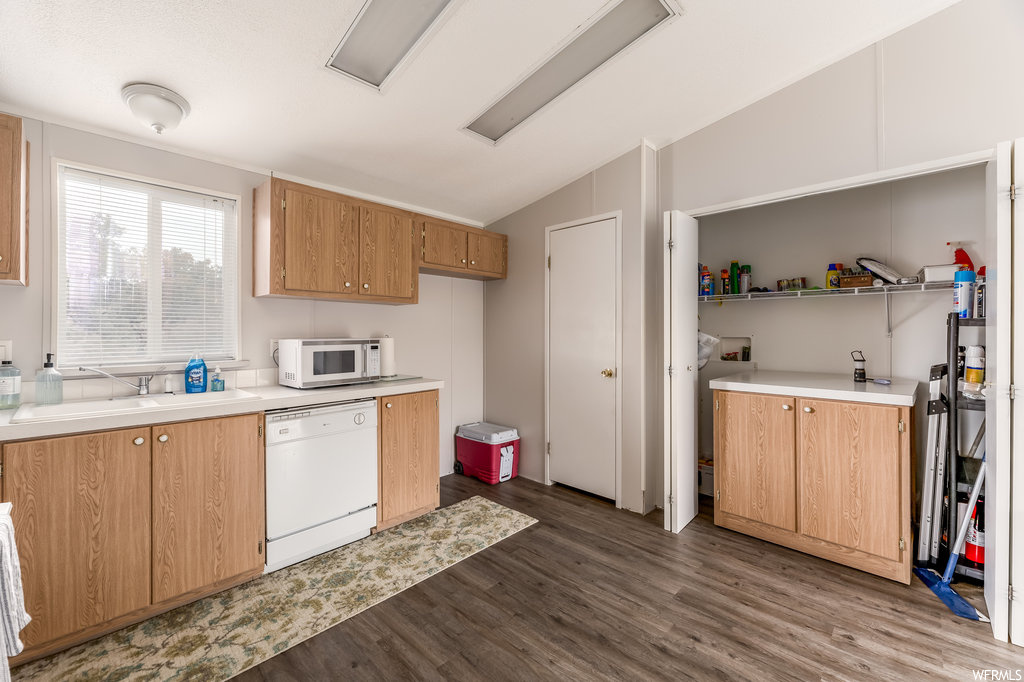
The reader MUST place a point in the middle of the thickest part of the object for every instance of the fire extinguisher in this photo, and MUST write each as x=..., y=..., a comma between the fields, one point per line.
x=974, y=548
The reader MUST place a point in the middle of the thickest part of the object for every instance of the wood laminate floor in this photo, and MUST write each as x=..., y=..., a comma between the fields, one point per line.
x=592, y=592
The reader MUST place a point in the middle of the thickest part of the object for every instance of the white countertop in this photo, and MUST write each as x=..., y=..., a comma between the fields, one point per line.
x=821, y=386
x=269, y=398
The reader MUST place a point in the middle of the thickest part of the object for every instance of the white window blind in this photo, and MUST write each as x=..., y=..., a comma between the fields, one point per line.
x=146, y=274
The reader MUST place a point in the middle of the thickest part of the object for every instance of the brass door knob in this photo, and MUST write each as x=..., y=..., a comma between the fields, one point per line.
x=608, y=372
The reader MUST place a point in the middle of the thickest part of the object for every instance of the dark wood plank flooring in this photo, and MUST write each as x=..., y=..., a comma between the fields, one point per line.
x=592, y=592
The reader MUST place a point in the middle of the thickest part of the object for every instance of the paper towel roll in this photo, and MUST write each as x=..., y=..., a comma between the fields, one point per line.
x=387, y=357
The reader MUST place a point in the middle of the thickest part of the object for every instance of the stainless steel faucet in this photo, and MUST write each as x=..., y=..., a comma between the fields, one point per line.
x=142, y=388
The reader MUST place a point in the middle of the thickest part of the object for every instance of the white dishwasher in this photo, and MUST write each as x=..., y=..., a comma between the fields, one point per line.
x=321, y=479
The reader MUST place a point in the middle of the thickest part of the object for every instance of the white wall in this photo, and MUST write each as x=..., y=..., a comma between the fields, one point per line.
x=441, y=337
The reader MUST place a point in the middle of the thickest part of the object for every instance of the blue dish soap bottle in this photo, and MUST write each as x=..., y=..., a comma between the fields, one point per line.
x=195, y=375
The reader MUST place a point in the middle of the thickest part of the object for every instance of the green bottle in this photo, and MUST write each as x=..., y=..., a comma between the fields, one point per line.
x=734, y=277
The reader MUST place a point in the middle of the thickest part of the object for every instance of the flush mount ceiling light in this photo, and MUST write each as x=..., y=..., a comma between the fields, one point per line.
x=157, y=107
x=382, y=36
x=607, y=36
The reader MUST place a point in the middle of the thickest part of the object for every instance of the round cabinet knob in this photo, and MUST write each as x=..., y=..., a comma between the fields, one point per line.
x=366, y=286
x=387, y=405
x=348, y=284
x=808, y=410
x=787, y=407
x=463, y=260
x=472, y=262
x=163, y=438
x=139, y=441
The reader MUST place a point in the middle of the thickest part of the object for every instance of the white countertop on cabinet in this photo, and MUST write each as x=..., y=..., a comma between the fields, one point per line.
x=269, y=398
x=820, y=386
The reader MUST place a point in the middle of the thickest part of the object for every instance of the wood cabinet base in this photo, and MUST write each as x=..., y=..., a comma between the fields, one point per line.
x=36, y=652
x=893, y=570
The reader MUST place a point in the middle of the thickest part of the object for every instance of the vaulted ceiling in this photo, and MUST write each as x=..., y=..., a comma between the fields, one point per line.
x=253, y=72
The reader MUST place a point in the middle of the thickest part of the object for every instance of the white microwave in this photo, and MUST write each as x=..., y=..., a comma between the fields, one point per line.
x=311, y=363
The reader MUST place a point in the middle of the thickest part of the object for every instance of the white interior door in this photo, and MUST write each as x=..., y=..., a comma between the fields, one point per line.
x=998, y=448
x=582, y=352
x=680, y=401
x=1015, y=515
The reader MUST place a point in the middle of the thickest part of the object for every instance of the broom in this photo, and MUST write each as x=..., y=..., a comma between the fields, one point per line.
x=940, y=584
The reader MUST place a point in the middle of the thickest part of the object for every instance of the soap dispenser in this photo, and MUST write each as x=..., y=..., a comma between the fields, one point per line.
x=49, y=384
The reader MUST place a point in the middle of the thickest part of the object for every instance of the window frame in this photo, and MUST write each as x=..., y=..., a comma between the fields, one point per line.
x=53, y=235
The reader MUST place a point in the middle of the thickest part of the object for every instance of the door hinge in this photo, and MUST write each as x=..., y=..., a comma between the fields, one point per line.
x=1, y=470
x=1013, y=192
x=259, y=547
x=259, y=431
x=716, y=403
x=549, y=447
x=282, y=273
x=671, y=244
x=282, y=204
x=671, y=499
x=903, y=544
x=1009, y=593
x=1013, y=391
x=718, y=494
x=671, y=370
x=549, y=262
x=900, y=427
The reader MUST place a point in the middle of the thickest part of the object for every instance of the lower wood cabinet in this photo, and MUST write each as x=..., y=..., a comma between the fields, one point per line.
x=81, y=510
x=114, y=527
x=208, y=519
x=826, y=477
x=409, y=440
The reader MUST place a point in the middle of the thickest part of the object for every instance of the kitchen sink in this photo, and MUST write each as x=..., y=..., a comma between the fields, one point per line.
x=77, y=409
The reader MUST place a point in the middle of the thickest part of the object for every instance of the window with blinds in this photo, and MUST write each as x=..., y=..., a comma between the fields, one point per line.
x=145, y=274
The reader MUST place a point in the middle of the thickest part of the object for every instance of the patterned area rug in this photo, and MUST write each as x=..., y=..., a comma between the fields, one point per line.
x=223, y=635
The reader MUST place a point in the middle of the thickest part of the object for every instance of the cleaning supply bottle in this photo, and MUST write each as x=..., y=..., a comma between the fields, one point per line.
x=963, y=294
x=725, y=282
x=734, y=278
x=49, y=384
x=216, y=381
x=744, y=279
x=10, y=385
x=707, y=282
x=195, y=375
x=832, y=276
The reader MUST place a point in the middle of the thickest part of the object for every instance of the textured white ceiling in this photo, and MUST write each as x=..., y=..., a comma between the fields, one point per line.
x=253, y=71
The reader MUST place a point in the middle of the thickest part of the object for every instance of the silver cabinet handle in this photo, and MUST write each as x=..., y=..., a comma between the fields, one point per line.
x=808, y=410
x=387, y=405
x=163, y=438
x=787, y=407
x=139, y=441
x=366, y=286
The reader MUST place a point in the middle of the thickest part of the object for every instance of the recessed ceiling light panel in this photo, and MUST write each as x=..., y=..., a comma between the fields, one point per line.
x=617, y=29
x=384, y=33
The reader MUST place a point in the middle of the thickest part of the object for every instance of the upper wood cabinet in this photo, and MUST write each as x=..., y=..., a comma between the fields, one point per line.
x=461, y=251
x=81, y=507
x=312, y=243
x=208, y=504
x=409, y=440
x=13, y=202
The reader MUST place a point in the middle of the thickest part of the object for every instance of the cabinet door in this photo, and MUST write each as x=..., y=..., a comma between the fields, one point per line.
x=409, y=443
x=444, y=245
x=755, y=458
x=320, y=243
x=11, y=215
x=850, y=475
x=82, y=522
x=387, y=263
x=208, y=504
x=487, y=253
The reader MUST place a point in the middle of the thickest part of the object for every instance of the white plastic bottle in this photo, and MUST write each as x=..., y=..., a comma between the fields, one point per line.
x=49, y=384
x=10, y=385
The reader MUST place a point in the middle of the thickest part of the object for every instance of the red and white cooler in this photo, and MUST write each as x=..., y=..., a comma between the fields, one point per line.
x=487, y=451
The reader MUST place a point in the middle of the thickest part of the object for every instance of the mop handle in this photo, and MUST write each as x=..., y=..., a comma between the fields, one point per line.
x=965, y=525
